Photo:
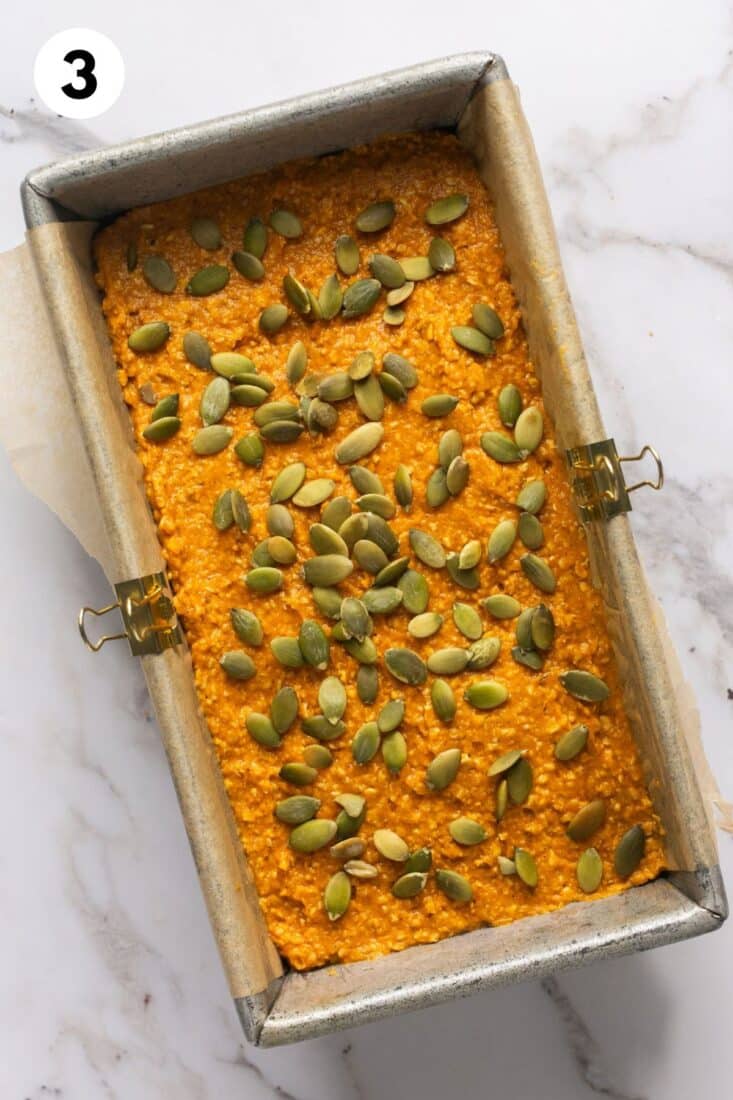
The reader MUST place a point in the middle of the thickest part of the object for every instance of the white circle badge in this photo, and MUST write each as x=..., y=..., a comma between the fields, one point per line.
x=79, y=73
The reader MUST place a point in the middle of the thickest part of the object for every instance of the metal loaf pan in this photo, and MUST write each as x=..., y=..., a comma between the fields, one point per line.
x=471, y=94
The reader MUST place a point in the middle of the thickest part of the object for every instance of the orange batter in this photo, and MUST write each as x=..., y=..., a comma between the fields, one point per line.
x=206, y=566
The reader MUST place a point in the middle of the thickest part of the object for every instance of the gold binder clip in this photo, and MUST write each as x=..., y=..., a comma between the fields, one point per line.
x=148, y=616
x=598, y=482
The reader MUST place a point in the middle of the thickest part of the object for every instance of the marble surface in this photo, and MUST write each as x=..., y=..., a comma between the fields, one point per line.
x=111, y=983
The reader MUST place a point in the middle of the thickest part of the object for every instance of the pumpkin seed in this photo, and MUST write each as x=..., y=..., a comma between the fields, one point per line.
x=589, y=871
x=406, y=666
x=470, y=555
x=542, y=628
x=298, y=774
x=358, y=868
x=354, y=528
x=231, y=363
x=377, y=503
x=415, y=591
x=286, y=224
x=390, y=845
x=369, y=397
x=281, y=431
x=313, y=644
x=500, y=447
x=327, y=570
x=436, y=490
x=350, y=848
x=359, y=443
x=501, y=540
x=417, y=268
x=264, y=580
x=448, y=661
x=332, y=699
x=393, y=316
x=523, y=629
x=369, y=556
x=255, y=238
x=248, y=265
x=159, y=274
x=438, y=404
x=526, y=867
x=539, y=572
x=365, y=743
x=519, y=781
x=488, y=320
x=629, y=851
x=314, y=492
x=272, y=318
x=365, y=480
x=472, y=339
x=399, y=295
x=330, y=298
x=394, y=752
x=584, y=686
x=261, y=730
x=167, y=406
x=337, y=895
x=387, y=271
x=441, y=255
x=506, y=866
x=318, y=757
x=443, y=769
x=468, y=621
x=425, y=625
x=365, y=652
x=297, y=295
x=502, y=606
x=297, y=809
x=131, y=256
x=214, y=401
x=466, y=578
x=587, y=821
x=367, y=684
x=281, y=550
x=355, y=618
x=347, y=827
x=211, y=440
x=347, y=255
x=240, y=511
x=279, y=521
x=250, y=449
x=419, y=861
x=375, y=217
x=532, y=496
x=572, y=743
x=261, y=555
x=391, y=715
x=391, y=573
x=530, y=531
x=392, y=387
x=379, y=531
x=160, y=430
x=510, y=405
x=238, y=665
x=360, y=297
x=403, y=487
x=149, y=337
x=401, y=369
x=246, y=626
x=443, y=700
x=326, y=541
x=528, y=430
x=502, y=799
x=336, y=512
x=197, y=350
x=382, y=601
x=275, y=411
x=318, y=726
x=445, y=210
x=453, y=885
x=246, y=395
x=528, y=658
x=223, y=515
x=209, y=280
x=467, y=832
x=287, y=482
x=296, y=363
x=312, y=835
x=427, y=548
x=486, y=694
x=353, y=803
x=328, y=601
x=409, y=885
x=456, y=476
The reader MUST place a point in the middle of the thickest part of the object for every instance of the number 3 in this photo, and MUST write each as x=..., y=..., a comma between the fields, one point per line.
x=85, y=72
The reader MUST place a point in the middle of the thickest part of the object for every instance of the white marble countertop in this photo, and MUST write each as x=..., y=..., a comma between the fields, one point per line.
x=112, y=987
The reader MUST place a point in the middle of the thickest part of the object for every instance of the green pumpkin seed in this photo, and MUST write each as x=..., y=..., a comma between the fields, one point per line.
x=456, y=476
x=391, y=715
x=346, y=251
x=281, y=431
x=441, y=255
x=365, y=480
x=519, y=780
x=288, y=482
x=445, y=210
x=246, y=626
x=403, y=487
x=377, y=503
x=361, y=366
x=326, y=541
x=488, y=320
x=197, y=350
x=510, y=405
x=296, y=363
x=327, y=570
x=502, y=799
x=261, y=555
x=355, y=618
x=332, y=699
x=131, y=256
x=502, y=606
x=209, y=280
x=360, y=297
x=255, y=238
x=312, y=835
x=369, y=397
x=466, y=578
x=425, y=625
x=394, y=752
x=238, y=665
x=523, y=629
x=314, y=492
x=415, y=591
x=350, y=848
x=223, y=515
x=275, y=411
x=379, y=531
x=297, y=809
x=472, y=339
x=247, y=396
x=367, y=684
x=448, y=661
x=526, y=867
x=320, y=416
x=468, y=621
x=629, y=851
x=419, y=862
x=167, y=406
x=400, y=294
x=358, y=868
x=318, y=757
x=328, y=601
x=214, y=401
x=359, y=443
x=318, y=726
x=443, y=700
x=231, y=363
x=572, y=743
x=375, y=217
x=279, y=521
x=211, y=440
x=330, y=298
x=486, y=694
x=436, y=490
x=501, y=540
x=443, y=769
x=409, y=885
x=336, y=512
x=382, y=601
x=504, y=762
x=506, y=866
x=438, y=404
x=264, y=580
x=391, y=573
x=297, y=774
x=261, y=730
x=337, y=895
x=530, y=531
x=149, y=337
x=539, y=572
x=453, y=885
x=470, y=555
x=528, y=658
x=542, y=628
x=286, y=224
x=589, y=871
x=528, y=430
x=250, y=449
x=347, y=827
x=297, y=295
x=406, y=666
x=159, y=274
x=365, y=743
x=393, y=317
x=272, y=318
x=387, y=271
x=281, y=550
x=500, y=447
x=532, y=496
x=240, y=511
x=587, y=821
x=163, y=428
x=248, y=265
x=467, y=832
x=353, y=803
x=483, y=653
x=417, y=268
x=284, y=709
x=369, y=556
x=401, y=369
x=313, y=644
x=390, y=845
x=584, y=686
x=353, y=529
x=427, y=548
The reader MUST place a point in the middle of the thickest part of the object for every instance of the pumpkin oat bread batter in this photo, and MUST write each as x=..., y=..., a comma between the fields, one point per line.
x=493, y=864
